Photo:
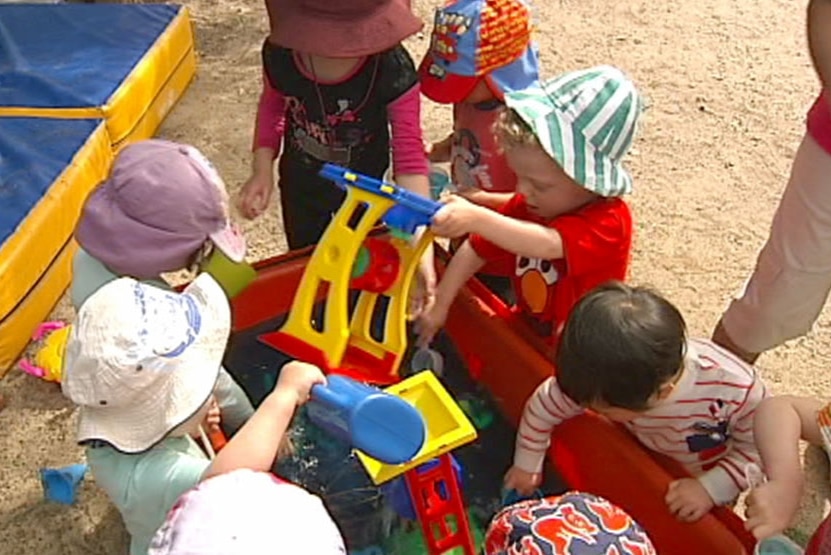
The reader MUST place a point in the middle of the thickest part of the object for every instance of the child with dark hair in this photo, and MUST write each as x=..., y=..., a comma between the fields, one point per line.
x=624, y=353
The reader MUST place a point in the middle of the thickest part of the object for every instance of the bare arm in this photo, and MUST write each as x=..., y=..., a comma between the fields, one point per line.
x=779, y=424
x=464, y=264
x=518, y=236
x=819, y=38
x=255, y=445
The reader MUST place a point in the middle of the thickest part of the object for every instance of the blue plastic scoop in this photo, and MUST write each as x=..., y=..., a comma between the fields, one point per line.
x=383, y=426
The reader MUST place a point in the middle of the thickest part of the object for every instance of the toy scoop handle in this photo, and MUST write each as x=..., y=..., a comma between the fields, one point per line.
x=325, y=395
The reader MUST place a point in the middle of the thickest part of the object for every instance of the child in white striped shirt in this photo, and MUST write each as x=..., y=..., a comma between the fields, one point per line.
x=624, y=353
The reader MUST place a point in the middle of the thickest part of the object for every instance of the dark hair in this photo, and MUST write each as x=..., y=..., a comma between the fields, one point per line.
x=619, y=345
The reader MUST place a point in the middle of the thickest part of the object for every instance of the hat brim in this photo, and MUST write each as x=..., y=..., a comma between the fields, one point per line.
x=450, y=88
x=230, y=241
x=308, y=32
x=580, y=160
x=180, y=392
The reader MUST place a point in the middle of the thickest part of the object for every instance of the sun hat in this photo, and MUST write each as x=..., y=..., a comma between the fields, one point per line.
x=475, y=40
x=160, y=204
x=250, y=513
x=141, y=360
x=341, y=29
x=585, y=120
x=574, y=523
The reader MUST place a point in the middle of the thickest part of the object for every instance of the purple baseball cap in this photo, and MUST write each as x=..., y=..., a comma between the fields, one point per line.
x=160, y=204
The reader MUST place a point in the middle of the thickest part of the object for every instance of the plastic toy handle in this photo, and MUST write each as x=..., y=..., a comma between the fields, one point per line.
x=31, y=369
x=47, y=327
x=325, y=395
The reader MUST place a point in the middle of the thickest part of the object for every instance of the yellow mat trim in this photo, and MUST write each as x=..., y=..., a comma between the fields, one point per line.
x=17, y=328
x=166, y=99
x=27, y=254
x=138, y=106
x=144, y=84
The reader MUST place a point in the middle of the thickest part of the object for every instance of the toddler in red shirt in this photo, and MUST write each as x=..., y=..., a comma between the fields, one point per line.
x=567, y=229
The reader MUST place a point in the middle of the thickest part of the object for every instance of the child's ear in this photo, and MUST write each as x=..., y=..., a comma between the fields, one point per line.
x=665, y=390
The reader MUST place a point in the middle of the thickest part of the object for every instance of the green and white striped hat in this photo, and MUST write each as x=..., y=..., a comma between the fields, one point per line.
x=585, y=120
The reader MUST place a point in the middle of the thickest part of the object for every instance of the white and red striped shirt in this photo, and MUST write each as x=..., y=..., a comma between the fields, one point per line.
x=705, y=423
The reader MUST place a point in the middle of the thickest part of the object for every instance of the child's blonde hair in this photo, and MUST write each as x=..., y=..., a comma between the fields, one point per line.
x=511, y=131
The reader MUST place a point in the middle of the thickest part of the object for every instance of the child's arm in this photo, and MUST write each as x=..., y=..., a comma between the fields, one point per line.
x=494, y=201
x=459, y=217
x=268, y=138
x=691, y=498
x=545, y=409
x=819, y=39
x=462, y=266
x=779, y=424
x=440, y=151
x=255, y=445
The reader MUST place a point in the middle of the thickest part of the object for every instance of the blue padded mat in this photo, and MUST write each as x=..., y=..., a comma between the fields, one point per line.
x=33, y=153
x=73, y=55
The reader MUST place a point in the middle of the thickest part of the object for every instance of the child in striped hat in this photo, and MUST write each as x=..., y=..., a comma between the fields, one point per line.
x=567, y=229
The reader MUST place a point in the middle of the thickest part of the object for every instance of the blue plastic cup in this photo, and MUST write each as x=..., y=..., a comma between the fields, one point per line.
x=383, y=426
x=439, y=182
x=777, y=545
x=61, y=484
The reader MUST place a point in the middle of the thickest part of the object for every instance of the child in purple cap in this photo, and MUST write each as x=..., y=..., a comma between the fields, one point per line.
x=162, y=209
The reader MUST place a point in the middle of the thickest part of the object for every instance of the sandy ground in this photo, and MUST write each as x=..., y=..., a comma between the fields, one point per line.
x=727, y=84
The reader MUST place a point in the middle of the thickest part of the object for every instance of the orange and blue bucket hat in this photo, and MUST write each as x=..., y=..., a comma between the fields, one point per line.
x=479, y=40
x=574, y=523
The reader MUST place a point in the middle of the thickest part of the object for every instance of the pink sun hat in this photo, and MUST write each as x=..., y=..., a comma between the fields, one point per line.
x=160, y=204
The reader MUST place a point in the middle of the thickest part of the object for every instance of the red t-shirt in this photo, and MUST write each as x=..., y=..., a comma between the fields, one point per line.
x=475, y=158
x=597, y=240
x=819, y=122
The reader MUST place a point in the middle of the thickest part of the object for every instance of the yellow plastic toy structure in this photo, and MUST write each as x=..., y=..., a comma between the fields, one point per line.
x=48, y=361
x=376, y=266
x=448, y=427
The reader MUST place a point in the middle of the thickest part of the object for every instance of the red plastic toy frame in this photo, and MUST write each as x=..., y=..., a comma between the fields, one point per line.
x=591, y=453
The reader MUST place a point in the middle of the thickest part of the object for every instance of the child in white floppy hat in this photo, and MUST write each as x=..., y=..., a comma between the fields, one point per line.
x=143, y=363
x=251, y=513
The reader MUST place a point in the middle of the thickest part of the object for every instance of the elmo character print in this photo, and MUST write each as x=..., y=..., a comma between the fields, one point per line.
x=536, y=278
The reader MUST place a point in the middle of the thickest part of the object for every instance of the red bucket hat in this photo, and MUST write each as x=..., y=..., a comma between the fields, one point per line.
x=475, y=40
x=574, y=523
x=341, y=28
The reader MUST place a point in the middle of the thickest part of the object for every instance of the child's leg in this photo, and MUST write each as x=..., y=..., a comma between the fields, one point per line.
x=792, y=278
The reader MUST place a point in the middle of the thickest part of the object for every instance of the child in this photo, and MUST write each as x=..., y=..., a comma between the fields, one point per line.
x=336, y=77
x=480, y=51
x=574, y=523
x=250, y=513
x=567, y=230
x=163, y=209
x=624, y=354
x=142, y=363
x=779, y=425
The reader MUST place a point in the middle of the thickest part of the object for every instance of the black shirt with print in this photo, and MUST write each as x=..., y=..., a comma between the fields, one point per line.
x=352, y=128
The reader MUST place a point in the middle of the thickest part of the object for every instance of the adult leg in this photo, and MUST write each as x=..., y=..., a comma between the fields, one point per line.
x=792, y=278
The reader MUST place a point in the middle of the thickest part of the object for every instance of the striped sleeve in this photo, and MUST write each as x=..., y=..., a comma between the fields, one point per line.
x=545, y=409
x=726, y=480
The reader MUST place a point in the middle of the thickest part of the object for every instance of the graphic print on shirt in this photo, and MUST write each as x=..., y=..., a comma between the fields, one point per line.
x=328, y=141
x=536, y=276
x=470, y=170
x=710, y=441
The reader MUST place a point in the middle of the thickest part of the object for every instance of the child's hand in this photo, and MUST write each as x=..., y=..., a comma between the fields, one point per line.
x=297, y=379
x=430, y=321
x=424, y=292
x=688, y=500
x=213, y=417
x=255, y=195
x=455, y=218
x=525, y=483
x=440, y=152
x=771, y=507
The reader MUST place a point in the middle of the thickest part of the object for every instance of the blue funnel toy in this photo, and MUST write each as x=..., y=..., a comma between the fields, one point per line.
x=383, y=426
x=61, y=484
